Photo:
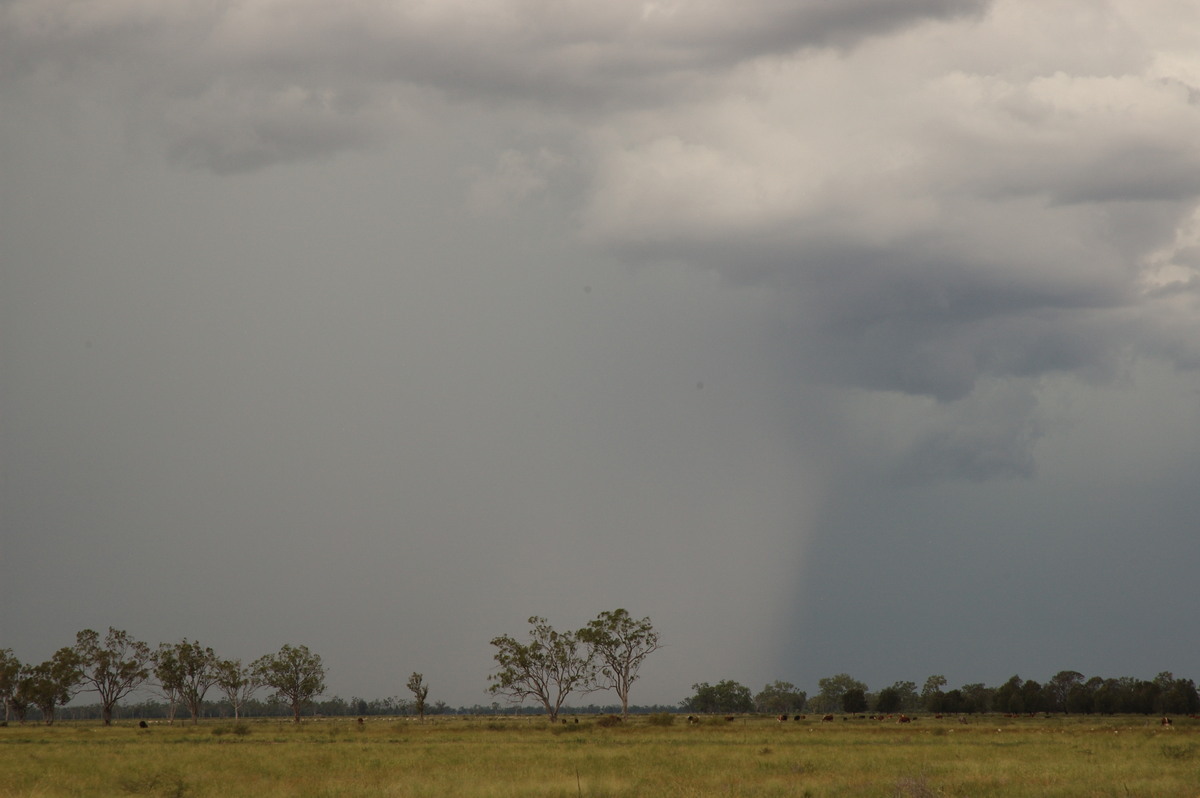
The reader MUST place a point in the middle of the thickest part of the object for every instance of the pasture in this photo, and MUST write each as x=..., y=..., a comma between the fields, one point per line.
x=499, y=757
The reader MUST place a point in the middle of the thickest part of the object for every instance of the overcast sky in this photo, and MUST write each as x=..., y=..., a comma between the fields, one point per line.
x=835, y=337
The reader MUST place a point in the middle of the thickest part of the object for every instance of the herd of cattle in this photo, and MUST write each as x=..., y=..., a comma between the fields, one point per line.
x=1166, y=723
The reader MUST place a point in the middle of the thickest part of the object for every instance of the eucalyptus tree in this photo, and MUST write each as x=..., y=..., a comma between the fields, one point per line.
x=549, y=667
x=726, y=696
x=295, y=673
x=619, y=645
x=50, y=684
x=931, y=693
x=420, y=691
x=237, y=682
x=186, y=670
x=779, y=698
x=112, y=667
x=10, y=672
x=833, y=688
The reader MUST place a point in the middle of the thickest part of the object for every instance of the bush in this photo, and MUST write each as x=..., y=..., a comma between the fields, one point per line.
x=661, y=719
x=609, y=720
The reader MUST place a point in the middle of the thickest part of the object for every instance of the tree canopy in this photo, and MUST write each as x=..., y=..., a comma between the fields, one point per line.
x=619, y=645
x=112, y=668
x=724, y=697
x=295, y=673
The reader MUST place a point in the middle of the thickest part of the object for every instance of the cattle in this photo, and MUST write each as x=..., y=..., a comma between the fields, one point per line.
x=904, y=719
x=1166, y=724
x=730, y=718
x=143, y=725
x=693, y=719
x=827, y=718
x=781, y=718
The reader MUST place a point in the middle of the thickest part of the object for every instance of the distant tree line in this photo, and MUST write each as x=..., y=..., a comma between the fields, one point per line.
x=548, y=666
x=1065, y=692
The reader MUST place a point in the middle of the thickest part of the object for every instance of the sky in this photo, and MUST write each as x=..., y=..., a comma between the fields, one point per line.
x=835, y=338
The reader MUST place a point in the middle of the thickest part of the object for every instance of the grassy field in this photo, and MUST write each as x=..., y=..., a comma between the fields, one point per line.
x=500, y=757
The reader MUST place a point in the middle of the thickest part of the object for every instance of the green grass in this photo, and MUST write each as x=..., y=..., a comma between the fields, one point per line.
x=501, y=757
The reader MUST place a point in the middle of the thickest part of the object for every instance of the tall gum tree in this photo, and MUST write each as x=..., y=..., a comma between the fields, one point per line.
x=237, y=682
x=10, y=672
x=187, y=670
x=551, y=666
x=420, y=691
x=619, y=645
x=50, y=684
x=112, y=667
x=295, y=673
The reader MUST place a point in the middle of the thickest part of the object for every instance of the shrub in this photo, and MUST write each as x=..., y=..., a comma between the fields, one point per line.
x=661, y=719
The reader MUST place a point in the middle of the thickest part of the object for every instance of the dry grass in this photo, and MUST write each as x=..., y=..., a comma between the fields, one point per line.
x=498, y=758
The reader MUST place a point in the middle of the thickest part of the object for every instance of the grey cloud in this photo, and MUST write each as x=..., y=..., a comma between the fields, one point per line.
x=227, y=130
x=179, y=61
x=988, y=435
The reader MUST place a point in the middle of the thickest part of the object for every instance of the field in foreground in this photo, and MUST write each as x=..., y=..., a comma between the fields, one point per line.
x=495, y=757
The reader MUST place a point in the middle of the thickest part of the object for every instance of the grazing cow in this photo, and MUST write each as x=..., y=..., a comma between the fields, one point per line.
x=1166, y=724
x=798, y=717
x=143, y=725
x=729, y=718
x=827, y=718
x=904, y=719
x=693, y=719
x=781, y=718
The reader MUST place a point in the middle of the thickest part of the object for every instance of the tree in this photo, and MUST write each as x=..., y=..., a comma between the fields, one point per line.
x=187, y=669
x=295, y=673
x=237, y=682
x=549, y=667
x=724, y=697
x=420, y=690
x=10, y=673
x=832, y=690
x=170, y=682
x=1008, y=697
x=112, y=668
x=1081, y=697
x=1033, y=696
x=50, y=684
x=907, y=694
x=1058, y=689
x=977, y=697
x=854, y=700
x=619, y=644
x=888, y=700
x=931, y=693
x=779, y=698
